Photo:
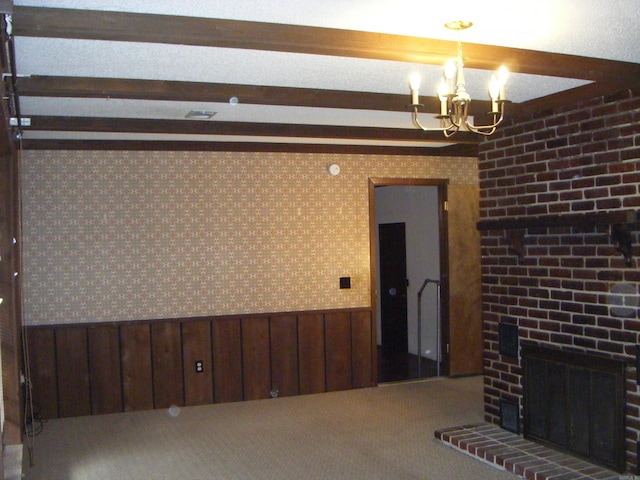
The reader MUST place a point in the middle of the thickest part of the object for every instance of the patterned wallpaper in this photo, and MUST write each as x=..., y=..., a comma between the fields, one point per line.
x=115, y=236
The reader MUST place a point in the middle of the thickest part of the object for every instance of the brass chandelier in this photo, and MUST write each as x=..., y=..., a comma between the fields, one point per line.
x=454, y=99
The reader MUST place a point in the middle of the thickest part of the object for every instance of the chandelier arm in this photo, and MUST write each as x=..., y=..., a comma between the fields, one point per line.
x=444, y=129
x=450, y=129
x=482, y=130
x=450, y=133
x=459, y=114
x=487, y=129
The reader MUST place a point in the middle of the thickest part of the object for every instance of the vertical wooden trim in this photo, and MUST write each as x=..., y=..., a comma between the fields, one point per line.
x=105, y=369
x=137, y=380
x=338, y=351
x=72, y=365
x=443, y=224
x=227, y=360
x=256, y=361
x=11, y=321
x=166, y=354
x=465, y=281
x=362, y=349
x=373, y=277
x=311, y=353
x=196, y=346
x=44, y=376
x=284, y=355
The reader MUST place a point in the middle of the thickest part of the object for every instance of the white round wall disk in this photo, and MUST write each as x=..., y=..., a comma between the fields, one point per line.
x=334, y=169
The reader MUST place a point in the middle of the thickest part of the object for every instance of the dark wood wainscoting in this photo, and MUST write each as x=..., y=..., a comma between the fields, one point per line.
x=86, y=369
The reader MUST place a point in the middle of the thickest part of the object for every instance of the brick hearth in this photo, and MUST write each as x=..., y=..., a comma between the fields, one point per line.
x=511, y=452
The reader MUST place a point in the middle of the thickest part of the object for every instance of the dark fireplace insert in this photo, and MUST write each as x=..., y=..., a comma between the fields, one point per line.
x=575, y=402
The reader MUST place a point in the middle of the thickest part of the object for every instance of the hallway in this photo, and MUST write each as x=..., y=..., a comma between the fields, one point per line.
x=399, y=366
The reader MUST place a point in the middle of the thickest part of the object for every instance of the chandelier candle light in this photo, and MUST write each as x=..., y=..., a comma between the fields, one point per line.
x=454, y=99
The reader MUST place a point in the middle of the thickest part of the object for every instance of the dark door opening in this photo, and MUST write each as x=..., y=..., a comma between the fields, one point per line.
x=393, y=287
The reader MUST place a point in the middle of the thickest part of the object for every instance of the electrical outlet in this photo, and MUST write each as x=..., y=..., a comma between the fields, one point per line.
x=199, y=366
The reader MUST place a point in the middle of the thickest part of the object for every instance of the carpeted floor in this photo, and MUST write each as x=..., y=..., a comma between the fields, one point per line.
x=375, y=433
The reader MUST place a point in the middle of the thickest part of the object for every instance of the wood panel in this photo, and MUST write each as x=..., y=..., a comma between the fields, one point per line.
x=196, y=347
x=104, y=369
x=311, y=354
x=256, y=362
x=337, y=328
x=137, y=381
x=284, y=355
x=72, y=365
x=42, y=367
x=107, y=368
x=465, y=283
x=227, y=360
x=10, y=347
x=361, y=333
x=166, y=354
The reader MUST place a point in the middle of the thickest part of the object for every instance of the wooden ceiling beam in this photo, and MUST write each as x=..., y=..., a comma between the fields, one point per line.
x=212, y=32
x=142, y=145
x=211, y=127
x=164, y=90
x=84, y=87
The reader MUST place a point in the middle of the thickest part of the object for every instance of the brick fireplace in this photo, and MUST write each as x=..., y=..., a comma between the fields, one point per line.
x=560, y=192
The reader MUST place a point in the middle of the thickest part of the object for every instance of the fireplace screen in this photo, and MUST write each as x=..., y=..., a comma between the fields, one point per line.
x=575, y=402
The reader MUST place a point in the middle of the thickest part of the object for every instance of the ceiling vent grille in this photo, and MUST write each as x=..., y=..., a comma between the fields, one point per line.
x=200, y=114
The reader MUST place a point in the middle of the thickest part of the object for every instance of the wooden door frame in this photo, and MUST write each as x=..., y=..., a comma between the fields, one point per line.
x=444, y=262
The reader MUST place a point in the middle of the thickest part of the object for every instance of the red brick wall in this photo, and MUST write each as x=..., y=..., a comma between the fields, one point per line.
x=577, y=159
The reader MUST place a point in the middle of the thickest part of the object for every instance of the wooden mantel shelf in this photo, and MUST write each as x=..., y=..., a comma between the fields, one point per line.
x=588, y=219
x=619, y=223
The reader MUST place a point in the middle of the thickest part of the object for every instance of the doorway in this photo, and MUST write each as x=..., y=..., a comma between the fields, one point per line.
x=409, y=259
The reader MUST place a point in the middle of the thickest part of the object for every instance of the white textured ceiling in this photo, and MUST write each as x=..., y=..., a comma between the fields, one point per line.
x=592, y=28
